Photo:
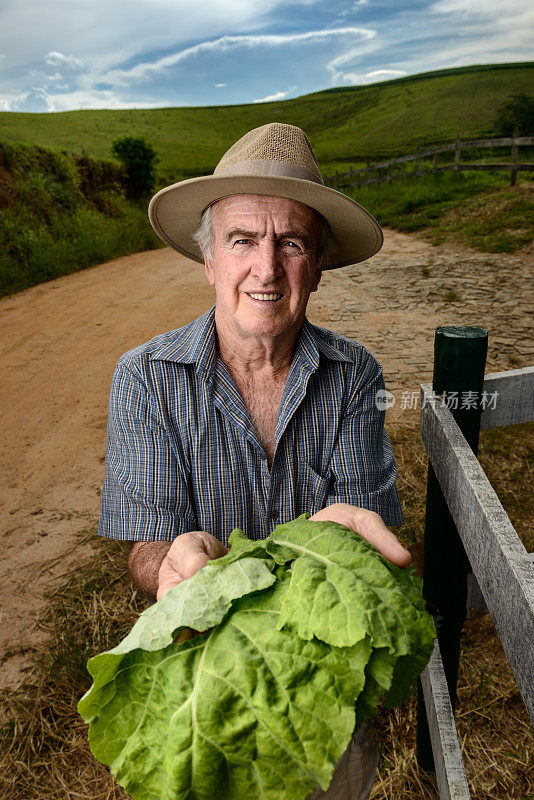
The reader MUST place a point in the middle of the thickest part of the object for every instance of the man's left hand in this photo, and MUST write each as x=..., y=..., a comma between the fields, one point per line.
x=369, y=525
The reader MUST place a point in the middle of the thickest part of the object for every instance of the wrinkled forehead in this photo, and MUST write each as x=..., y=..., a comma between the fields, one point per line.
x=253, y=209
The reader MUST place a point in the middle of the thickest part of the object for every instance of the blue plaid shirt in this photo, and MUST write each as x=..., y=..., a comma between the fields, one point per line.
x=183, y=454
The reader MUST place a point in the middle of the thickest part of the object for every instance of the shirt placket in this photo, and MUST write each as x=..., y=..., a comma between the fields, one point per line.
x=269, y=503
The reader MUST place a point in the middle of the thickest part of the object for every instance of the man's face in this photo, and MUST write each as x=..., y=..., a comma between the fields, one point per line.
x=263, y=266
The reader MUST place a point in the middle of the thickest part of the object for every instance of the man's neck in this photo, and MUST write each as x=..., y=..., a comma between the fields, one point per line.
x=255, y=355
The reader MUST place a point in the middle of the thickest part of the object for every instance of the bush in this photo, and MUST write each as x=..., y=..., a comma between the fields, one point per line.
x=518, y=113
x=59, y=214
x=139, y=160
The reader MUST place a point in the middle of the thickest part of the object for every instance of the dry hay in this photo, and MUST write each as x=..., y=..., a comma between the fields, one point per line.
x=494, y=731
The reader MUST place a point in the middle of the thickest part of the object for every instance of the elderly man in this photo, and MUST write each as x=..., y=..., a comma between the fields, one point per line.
x=250, y=415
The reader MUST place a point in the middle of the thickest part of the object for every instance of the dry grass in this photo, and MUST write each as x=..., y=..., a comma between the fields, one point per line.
x=44, y=754
x=43, y=741
x=493, y=728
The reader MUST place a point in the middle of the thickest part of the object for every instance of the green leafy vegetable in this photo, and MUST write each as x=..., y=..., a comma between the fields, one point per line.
x=342, y=589
x=304, y=632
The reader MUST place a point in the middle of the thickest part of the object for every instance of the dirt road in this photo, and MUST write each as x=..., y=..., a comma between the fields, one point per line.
x=60, y=342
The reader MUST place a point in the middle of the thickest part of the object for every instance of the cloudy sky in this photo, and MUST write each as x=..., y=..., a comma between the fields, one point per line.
x=69, y=54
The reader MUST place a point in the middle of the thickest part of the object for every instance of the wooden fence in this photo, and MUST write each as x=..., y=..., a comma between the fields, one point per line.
x=396, y=168
x=503, y=569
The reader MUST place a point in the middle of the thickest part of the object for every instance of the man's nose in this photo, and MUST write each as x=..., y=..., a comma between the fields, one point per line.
x=267, y=261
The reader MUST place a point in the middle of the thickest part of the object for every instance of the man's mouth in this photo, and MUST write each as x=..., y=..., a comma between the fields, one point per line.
x=271, y=296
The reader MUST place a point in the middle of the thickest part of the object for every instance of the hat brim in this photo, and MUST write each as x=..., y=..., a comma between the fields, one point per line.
x=175, y=212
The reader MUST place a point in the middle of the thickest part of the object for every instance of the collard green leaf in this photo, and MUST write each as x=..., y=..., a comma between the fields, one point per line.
x=243, y=711
x=378, y=677
x=342, y=589
x=199, y=603
x=241, y=545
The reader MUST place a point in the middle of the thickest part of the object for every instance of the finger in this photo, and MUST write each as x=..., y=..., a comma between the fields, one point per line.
x=192, y=560
x=212, y=546
x=372, y=528
x=216, y=549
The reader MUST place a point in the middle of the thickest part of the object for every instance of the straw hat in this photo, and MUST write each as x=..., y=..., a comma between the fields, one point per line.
x=278, y=160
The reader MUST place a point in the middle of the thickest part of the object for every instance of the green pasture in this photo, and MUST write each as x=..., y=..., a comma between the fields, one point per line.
x=346, y=125
x=477, y=209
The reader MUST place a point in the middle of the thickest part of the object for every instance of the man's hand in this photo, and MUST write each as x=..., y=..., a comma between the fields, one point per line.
x=368, y=525
x=188, y=553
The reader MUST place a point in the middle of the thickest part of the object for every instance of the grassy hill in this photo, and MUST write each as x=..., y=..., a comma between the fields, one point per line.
x=346, y=125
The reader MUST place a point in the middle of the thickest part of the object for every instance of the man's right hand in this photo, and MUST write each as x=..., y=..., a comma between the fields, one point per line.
x=188, y=553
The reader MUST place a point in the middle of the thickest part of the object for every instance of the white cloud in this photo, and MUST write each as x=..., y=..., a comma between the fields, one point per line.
x=39, y=91
x=465, y=32
x=219, y=85
x=483, y=8
x=82, y=98
x=104, y=34
x=122, y=77
x=11, y=102
x=56, y=59
x=385, y=73
x=350, y=57
x=271, y=97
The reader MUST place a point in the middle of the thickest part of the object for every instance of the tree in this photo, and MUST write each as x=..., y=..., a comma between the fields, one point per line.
x=138, y=158
x=517, y=112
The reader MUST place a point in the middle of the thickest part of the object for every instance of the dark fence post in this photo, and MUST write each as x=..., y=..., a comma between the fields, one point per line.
x=459, y=362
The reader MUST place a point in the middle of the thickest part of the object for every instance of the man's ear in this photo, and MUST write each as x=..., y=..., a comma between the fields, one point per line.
x=208, y=269
x=317, y=279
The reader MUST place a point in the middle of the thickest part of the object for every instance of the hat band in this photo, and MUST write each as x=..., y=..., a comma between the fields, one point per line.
x=263, y=167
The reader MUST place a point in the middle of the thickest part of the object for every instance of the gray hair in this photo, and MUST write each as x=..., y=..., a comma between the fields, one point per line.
x=326, y=246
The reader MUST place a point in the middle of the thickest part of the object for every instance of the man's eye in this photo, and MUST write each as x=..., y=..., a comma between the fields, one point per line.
x=242, y=241
x=289, y=243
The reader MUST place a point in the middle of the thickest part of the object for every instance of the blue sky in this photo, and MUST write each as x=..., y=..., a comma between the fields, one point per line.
x=61, y=55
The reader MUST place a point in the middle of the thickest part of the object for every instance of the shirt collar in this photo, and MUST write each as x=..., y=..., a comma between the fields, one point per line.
x=195, y=344
x=311, y=345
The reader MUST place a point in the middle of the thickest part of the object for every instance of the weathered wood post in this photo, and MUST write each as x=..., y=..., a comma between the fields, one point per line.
x=459, y=362
x=457, y=154
x=513, y=174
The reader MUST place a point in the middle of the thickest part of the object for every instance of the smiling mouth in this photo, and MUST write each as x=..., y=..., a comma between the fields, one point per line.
x=270, y=297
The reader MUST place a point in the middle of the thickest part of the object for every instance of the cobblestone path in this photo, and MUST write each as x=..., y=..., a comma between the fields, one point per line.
x=393, y=303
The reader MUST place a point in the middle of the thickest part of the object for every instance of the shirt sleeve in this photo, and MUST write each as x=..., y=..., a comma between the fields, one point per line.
x=363, y=465
x=146, y=494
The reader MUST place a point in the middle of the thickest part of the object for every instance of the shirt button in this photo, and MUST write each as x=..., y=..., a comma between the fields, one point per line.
x=274, y=515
